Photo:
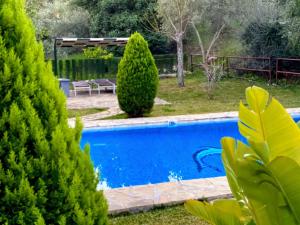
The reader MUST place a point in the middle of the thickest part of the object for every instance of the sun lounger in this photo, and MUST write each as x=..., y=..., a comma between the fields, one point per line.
x=81, y=86
x=105, y=84
x=114, y=81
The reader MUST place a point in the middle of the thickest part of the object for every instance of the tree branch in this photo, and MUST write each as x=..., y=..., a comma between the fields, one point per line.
x=215, y=38
x=200, y=42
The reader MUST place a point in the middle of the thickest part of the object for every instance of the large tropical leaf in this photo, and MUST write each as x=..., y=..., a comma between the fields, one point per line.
x=267, y=122
x=229, y=160
x=220, y=212
x=242, y=165
x=267, y=200
x=286, y=173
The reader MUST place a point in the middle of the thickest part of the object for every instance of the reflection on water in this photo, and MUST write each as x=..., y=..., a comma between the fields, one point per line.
x=173, y=177
x=200, y=158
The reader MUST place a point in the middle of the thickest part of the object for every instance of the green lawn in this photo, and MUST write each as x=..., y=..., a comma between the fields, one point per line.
x=176, y=215
x=83, y=112
x=192, y=99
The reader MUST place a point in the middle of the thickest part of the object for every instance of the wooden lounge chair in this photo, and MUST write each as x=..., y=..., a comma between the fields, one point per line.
x=81, y=86
x=105, y=84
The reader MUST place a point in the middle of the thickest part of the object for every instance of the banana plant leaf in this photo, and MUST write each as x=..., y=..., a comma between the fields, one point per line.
x=266, y=121
x=221, y=212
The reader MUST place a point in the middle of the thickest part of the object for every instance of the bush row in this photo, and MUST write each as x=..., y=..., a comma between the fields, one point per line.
x=85, y=69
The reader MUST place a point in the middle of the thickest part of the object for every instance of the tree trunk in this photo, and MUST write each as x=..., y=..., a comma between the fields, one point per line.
x=210, y=79
x=180, y=74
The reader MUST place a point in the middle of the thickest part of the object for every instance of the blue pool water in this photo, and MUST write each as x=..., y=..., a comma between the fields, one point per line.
x=138, y=155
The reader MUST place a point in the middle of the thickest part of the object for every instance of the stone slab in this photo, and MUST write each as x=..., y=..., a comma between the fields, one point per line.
x=145, y=197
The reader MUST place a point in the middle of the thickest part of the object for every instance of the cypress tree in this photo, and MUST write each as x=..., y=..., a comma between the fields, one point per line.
x=137, y=78
x=45, y=178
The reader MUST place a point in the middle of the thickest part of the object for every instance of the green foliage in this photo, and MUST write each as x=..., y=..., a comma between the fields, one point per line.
x=266, y=39
x=57, y=18
x=264, y=175
x=272, y=28
x=121, y=18
x=293, y=23
x=45, y=178
x=97, y=53
x=137, y=78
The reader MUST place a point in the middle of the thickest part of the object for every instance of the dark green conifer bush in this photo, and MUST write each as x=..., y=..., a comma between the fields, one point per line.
x=44, y=176
x=137, y=78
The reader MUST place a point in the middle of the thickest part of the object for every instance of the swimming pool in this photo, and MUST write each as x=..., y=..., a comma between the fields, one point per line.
x=144, y=154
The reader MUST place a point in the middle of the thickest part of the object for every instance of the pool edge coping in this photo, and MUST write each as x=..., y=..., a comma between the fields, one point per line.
x=163, y=119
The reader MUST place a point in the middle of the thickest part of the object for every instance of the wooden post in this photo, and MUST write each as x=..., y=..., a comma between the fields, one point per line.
x=55, y=59
x=270, y=70
x=192, y=68
x=227, y=65
x=277, y=69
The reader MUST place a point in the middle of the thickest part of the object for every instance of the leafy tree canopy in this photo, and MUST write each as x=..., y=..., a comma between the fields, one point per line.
x=121, y=18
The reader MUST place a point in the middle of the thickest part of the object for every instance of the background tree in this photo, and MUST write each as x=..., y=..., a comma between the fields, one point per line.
x=121, y=18
x=266, y=39
x=214, y=21
x=292, y=30
x=58, y=18
x=137, y=78
x=264, y=31
x=176, y=16
x=45, y=178
x=270, y=28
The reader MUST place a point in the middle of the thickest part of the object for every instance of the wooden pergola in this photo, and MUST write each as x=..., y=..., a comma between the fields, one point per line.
x=85, y=43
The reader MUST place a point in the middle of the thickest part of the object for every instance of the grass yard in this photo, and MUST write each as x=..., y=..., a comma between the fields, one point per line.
x=82, y=112
x=175, y=215
x=192, y=99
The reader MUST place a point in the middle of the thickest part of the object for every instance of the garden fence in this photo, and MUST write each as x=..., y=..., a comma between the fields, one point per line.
x=269, y=66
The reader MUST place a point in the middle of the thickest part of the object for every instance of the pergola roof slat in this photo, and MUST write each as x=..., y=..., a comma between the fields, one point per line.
x=65, y=42
x=89, y=42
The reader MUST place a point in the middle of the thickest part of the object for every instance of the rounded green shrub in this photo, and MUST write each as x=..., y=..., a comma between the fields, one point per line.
x=137, y=78
x=45, y=178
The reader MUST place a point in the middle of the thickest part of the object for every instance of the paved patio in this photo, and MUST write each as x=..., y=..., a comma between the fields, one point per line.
x=99, y=101
x=108, y=101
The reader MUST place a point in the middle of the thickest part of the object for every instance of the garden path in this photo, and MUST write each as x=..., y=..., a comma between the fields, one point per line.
x=108, y=101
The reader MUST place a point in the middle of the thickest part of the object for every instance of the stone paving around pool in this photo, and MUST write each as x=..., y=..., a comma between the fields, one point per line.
x=145, y=197
x=92, y=121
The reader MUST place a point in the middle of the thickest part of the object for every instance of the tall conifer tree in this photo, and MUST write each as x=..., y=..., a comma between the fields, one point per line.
x=137, y=78
x=44, y=176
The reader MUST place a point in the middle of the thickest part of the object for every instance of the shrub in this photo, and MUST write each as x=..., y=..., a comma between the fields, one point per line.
x=266, y=39
x=45, y=178
x=264, y=174
x=97, y=53
x=137, y=78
